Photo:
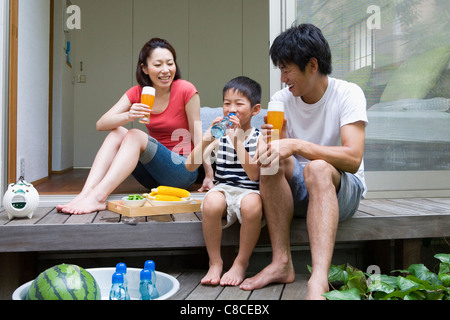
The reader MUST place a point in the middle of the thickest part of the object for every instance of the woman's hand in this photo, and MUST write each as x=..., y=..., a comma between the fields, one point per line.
x=138, y=111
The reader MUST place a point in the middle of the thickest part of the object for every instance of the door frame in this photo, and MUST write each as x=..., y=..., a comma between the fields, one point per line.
x=13, y=87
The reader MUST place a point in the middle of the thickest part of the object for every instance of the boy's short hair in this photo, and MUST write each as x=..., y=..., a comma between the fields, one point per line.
x=247, y=87
x=299, y=44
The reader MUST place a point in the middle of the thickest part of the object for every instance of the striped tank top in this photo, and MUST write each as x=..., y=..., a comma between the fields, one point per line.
x=228, y=167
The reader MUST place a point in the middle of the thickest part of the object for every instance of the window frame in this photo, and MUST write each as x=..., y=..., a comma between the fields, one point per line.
x=381, y=184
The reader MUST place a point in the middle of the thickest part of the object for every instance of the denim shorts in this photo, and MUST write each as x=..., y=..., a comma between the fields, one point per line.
x=159, y=166
x=349, y=194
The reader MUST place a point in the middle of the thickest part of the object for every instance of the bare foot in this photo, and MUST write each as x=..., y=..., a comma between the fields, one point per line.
x=213, y=276
x=84, y=205
x=234, y=276
x=60, y=207
x=317, y=287
x=273, y=273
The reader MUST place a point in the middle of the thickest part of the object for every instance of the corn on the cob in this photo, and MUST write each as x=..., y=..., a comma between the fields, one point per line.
x=171, y=191
x=162, y=197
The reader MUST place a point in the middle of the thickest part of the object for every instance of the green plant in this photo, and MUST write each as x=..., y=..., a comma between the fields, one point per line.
x=416, y=283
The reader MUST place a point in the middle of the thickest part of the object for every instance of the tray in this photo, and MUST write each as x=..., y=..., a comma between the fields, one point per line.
x=148, y=210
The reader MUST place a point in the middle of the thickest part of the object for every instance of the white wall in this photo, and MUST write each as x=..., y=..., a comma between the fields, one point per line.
x=63, y=94
x=4, y=27
x=215, y=41
x=33, y=88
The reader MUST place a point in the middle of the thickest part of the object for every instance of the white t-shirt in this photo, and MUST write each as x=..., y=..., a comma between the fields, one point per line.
x=320, y=123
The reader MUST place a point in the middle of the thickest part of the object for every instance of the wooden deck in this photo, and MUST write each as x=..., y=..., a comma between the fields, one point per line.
x=48, y=230
x=405, y=220
x=192, y=289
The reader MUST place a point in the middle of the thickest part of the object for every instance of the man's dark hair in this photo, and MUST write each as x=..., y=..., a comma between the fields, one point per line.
x=299, y=44
x=247, y=87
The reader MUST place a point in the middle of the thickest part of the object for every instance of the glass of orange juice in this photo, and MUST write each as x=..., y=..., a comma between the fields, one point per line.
x=147, y=98
x=275, y=117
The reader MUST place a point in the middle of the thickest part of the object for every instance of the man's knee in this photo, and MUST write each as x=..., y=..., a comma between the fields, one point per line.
x=318, y=171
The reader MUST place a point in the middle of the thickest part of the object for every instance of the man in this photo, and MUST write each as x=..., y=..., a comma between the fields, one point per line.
x=320, y=157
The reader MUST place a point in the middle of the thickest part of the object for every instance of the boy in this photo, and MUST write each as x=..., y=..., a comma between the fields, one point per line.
x=236, y=195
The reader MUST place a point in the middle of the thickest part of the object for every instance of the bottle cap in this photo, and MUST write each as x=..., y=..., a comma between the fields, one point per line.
x=232, y=114
x=146, y=274
x=121, y=267
x=117, y=278
x=148, y=90
x=150, y=265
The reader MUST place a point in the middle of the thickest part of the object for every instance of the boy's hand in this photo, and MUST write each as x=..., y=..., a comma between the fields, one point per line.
x=235, y=130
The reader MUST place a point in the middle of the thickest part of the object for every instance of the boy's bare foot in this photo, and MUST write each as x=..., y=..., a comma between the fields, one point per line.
x=273, y=273
x=234, y=276
x=213, y=276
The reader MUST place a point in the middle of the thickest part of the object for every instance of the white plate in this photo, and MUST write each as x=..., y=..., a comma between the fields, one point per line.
x=165, y=203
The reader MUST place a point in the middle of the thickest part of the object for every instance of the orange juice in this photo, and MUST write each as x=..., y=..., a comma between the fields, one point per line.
x=147, y=98
x=275, y=117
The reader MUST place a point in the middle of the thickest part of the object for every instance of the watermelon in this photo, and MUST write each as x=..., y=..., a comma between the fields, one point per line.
x=64, y=282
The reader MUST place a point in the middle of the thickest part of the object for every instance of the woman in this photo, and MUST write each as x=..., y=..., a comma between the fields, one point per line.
x=156, y=158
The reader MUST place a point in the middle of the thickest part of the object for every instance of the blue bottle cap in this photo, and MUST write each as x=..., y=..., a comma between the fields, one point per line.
x=232, y=114
x=150, y=265
x=121, y=267
x=146, y=274
x=117, y=278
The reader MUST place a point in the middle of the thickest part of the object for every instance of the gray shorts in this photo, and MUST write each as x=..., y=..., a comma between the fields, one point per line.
x=349, y=194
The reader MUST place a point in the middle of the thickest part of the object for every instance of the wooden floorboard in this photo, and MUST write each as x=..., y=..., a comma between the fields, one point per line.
x=72, y=182
x=192, y=289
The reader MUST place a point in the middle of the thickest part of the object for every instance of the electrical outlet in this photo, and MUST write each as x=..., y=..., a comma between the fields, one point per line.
x=22, y=167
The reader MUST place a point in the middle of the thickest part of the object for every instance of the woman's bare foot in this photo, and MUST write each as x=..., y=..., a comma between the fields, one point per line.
x=234, y=276
x=83, y=205
x=273, y=273
x=213, y=276
x=84, y=193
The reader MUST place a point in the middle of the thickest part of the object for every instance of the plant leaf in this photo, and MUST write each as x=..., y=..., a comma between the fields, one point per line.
x=351, y=294
x=443, y=257
x=423, y=273
x=381, y=287
x=338, y=273
x=357, y=280
x=405, y=284
x=390, y=280
x=445, y=278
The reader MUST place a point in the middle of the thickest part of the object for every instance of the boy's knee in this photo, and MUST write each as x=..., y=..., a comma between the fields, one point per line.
x=214, y=204
x=251, y=207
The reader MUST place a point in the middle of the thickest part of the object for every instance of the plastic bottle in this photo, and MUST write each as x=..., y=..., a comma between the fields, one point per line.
x=220, y=129
x=145, y=286
x=150, y=265
x=122, y=268
x=118, y=291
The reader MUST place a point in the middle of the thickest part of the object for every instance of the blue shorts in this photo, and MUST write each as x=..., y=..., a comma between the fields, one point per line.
x=159, y=166
x=349, y=194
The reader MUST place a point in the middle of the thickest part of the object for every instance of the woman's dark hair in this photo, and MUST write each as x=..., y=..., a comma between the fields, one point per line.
x=299, y=44
x=144, y=79
x=247, y=87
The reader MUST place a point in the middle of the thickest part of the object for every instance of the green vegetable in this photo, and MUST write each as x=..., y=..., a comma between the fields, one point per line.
x=135, y=197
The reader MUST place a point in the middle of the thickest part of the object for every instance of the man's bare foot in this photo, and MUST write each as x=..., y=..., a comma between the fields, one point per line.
x=213, y=276
x=317, y=287
x=273, y=273
x=84, y=205
x=234, y=276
